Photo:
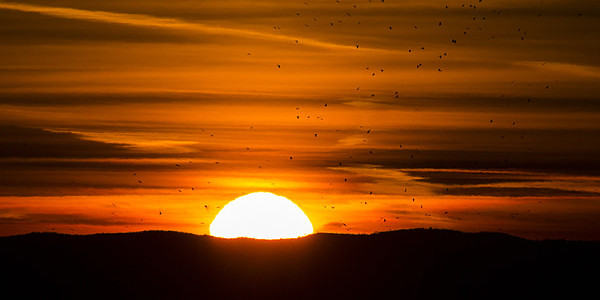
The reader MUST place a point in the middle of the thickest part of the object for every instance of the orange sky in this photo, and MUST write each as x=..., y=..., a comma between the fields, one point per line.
x=499, y=134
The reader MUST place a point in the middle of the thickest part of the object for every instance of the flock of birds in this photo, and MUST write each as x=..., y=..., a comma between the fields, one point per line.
x=478, y=18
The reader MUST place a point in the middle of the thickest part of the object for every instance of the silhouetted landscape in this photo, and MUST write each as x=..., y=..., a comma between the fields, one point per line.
x=406, y=264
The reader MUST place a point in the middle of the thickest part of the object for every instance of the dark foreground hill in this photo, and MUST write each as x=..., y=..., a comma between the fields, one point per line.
x=408, y=264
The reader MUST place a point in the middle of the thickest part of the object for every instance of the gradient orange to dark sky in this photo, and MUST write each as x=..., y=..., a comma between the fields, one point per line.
x=142, y=115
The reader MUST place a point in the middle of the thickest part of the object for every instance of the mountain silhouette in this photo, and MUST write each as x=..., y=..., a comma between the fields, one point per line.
x=405, y=264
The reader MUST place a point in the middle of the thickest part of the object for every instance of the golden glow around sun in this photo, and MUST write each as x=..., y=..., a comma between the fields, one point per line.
x=261, y=216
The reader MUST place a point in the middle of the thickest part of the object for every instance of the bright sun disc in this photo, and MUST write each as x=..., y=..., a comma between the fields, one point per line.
x=261, y=216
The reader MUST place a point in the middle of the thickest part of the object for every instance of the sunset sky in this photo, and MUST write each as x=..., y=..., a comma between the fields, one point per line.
x=120, y=116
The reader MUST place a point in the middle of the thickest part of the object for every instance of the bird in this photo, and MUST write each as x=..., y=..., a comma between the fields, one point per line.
x=177, y=165
x=279, y=66
x=139, y=181
x=356, y=46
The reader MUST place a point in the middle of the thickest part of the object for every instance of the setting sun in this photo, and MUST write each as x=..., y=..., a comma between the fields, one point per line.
x=261, y=216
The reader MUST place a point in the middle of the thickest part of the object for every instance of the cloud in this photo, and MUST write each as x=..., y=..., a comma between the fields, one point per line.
x=25, y=142
x=515, y=192
x=459, y=177
x=142, y=20
x=62, y=219
x=569, y=69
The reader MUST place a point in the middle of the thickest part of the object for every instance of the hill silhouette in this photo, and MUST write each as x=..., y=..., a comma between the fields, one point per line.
x=406, y=264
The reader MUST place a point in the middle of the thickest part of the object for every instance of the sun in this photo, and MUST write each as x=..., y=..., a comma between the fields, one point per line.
x=261, y=216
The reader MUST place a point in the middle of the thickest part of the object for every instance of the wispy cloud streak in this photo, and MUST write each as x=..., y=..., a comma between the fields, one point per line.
x=142, y=20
